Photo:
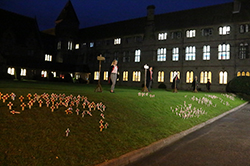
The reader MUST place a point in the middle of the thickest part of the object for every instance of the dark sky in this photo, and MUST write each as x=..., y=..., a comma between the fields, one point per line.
x=97, y=12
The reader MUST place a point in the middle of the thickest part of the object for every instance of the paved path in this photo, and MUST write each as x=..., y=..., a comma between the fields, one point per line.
x=226, y=142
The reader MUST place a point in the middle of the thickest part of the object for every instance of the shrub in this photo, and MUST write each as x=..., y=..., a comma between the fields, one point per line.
x=239, y=85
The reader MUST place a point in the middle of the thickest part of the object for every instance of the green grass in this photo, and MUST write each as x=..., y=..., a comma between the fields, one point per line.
x=37, y=135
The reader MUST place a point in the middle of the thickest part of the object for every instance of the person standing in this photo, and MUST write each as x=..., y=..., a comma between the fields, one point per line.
x=195, y=84
x=149, y=78
x=208, y=85
x=113, y=75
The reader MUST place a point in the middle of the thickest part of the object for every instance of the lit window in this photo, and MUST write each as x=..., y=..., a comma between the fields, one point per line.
x=189, y=76
x=59, y=45
x=224, y=52
x=173, y=74
x=162, y=36
x=96, y=75
x=125, y=76
x=48, y=57
x=223, y=77
x=161, y=76
x=225, y=30
x=243, y=51
x=117, y=41
x=161, y=54
x=70, y=45
x=44, y=73
x=136, y=76
x=91, y=44
x=11, y=70
x=190, y=33
x=206, y=52
x=204, y=76
x=175, y=54
x=190, y=53
x=243, y=74
x=137, y=55
x=23, y=72
x=78, y=76
x=77, y=46
x=53, y=73
x=106, y=75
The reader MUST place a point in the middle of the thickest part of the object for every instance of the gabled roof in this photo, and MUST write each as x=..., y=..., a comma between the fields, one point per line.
x=205, y=16
x=68, y=13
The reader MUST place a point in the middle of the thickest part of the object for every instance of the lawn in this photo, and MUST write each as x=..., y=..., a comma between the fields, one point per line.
x=37, y=136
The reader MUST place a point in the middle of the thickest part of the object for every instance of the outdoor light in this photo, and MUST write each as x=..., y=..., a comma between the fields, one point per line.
x=146, y=66
x=145, y=89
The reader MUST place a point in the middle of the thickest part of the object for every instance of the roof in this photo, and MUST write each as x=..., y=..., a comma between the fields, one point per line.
x=68, y=13
x=205, y=16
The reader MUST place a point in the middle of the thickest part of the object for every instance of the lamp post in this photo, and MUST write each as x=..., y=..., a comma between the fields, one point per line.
x=99, y=87
x=145, y=89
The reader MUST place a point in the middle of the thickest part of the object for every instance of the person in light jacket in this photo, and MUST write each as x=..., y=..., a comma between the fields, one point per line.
x=113, y=71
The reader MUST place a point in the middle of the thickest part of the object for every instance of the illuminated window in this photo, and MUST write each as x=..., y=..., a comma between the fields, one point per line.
x=77, y=46
x=117, y=41
x=11, y=70
x=161, y=54
x=190, y=53
x=225, y=30
x=23, y=72
x=44, y=73
x=105, y=75
x=224, y=52
x=136, y=76
x=204, y=76
x=175, y=54
x=54, y=73
x=48, y=57
x=125, y=76
x=223, y=77
x=137, y=55
x=70, y=45
x=91, y=44
x=243, y=74
x=243, y=51
x=189, y=76
x=206, y=52
x=59, y=45
x=190, y=33
x=173, y=74
x=96, y=75
x=161, y=76
x=162, y=36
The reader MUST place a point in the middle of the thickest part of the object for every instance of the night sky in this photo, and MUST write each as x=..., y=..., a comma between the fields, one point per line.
x=97, y=12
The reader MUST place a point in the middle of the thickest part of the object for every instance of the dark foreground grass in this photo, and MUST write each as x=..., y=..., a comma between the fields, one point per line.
x=37, y=135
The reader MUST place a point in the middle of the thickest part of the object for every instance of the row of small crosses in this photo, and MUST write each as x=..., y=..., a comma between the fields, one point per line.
x=56, y=101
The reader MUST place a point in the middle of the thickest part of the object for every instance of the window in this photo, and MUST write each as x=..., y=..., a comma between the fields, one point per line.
x=78, y=76
x=117, y=41
x=53, y=73
x=91, y=44
x=137, y=55
x=105, y=75
x=175, y=54
x=223, y=77
x=243, y=51
x=77, y=46
x=96, y=75
x=161, y=76
x=70, y=45
x=190, y=53
x=176, y=35
x=23, y=72
x=189, y=76
x=161, y=54
x=11, y=70
x=162, y=36
x=48, y=57
x=44, y=73
x=173, y=74
x=243, y=74
x=224, y=52
x=59, y=45
x=244, y=28
x=190, y=33
x=125, y=76
x=225, y=30
x=206, y=52
x=126, y=57
x=136, y=76
x=207, y=32
x=204, y=76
